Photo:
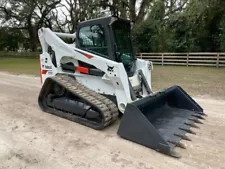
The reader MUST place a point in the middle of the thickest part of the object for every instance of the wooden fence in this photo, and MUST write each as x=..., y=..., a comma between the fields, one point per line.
x=185, y=59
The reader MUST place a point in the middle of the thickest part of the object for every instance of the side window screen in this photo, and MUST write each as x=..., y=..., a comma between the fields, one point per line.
x=92, y=38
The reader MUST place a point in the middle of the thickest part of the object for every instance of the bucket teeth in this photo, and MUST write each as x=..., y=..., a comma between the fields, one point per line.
x=201, y=113
x=178, y=144
x=184, y=137
x=192, y=124
x=187, y=130
x=198, y=116
x=196, y=120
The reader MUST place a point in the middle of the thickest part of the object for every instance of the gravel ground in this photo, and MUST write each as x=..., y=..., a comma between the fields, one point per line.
x=30, y=138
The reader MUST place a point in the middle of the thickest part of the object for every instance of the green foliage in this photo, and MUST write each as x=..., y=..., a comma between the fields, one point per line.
x=160, y=25
x=11, y=39
x=151, y=35
x=222, y=35
x=200, y=27
x=27, y=15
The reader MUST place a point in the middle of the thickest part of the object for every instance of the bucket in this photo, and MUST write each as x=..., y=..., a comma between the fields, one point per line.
x=161, y=120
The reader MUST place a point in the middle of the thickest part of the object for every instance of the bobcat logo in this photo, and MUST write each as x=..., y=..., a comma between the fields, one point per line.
x=110, y=68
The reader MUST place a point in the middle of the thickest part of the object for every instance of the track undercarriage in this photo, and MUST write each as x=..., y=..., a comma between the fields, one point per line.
x=63, y=96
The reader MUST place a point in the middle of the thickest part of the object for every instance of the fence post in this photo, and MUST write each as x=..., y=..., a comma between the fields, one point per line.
x=141, y=55
x=187, y=59
x=217, y=60
x=162, y=59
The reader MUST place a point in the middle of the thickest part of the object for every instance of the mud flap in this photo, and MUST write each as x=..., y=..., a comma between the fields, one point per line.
x=162, y=120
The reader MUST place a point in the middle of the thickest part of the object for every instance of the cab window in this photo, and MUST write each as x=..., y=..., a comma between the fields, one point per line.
x=92, y=38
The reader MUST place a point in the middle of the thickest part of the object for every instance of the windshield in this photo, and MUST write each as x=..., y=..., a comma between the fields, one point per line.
x=124, y=50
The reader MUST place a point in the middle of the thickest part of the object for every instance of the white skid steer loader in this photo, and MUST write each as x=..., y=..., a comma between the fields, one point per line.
x=97, y=77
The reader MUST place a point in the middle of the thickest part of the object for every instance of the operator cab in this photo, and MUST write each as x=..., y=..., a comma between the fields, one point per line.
x=108, y=37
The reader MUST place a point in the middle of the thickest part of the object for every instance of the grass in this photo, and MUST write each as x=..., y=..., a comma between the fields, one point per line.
x=20, y=66
x=195, y=80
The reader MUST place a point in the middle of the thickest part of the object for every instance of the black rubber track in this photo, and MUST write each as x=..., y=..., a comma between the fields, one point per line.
x=106, y=108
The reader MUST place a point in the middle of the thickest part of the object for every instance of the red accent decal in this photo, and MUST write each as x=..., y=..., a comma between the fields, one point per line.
x=44, y=72
x=82, y=69
x=85, y=54
x=88, y=56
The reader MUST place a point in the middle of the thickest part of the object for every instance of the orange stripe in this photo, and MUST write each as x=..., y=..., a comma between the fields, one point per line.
x=44, y=72
x=82, y=69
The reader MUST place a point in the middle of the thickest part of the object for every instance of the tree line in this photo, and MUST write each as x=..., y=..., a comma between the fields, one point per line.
x=159, y=25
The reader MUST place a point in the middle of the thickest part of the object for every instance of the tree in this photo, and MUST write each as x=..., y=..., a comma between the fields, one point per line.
x=183, y=26
x=135, y=10
x=75, y=11
x=29, y=15
x=11, y=39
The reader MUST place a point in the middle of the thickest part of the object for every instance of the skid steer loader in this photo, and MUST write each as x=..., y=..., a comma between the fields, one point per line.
x=96, y=77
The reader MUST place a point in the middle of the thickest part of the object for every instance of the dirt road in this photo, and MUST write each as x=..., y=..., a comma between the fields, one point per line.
x=30, y=138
